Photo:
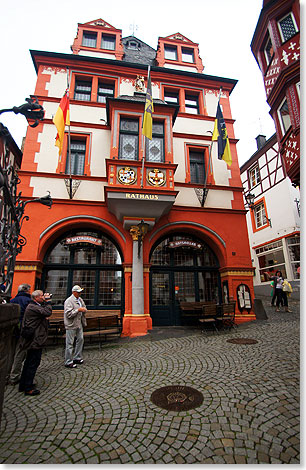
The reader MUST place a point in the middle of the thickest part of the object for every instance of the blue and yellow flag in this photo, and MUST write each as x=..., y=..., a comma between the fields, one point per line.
x=147, y=118
x=220, y=135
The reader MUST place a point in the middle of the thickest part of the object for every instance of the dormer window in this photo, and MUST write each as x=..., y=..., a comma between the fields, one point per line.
x=108, y=42
x=89, y=39
x=187, y=55
x=170, y=53
x=133, y=45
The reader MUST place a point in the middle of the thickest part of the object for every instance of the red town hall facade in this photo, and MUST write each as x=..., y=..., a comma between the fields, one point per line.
x=131, y=221
x=276, y=47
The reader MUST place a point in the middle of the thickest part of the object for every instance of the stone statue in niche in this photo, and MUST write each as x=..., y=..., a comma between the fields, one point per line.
x=139, y=83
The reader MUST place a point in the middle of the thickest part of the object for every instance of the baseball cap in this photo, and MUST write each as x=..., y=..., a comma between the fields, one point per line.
x=77, y=289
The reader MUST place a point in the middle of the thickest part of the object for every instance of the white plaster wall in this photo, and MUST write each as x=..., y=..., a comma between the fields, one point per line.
x=87, y=191
x=99, y=151
x=101, y=55
x=211, y=101
x=58, y=83
x=215, y=198
x=194, y=126
x=47, y=157
x=78, y=113
x=126, y=88
x=180, y=67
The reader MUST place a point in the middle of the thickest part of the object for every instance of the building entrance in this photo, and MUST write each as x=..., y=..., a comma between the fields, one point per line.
x=184, y=269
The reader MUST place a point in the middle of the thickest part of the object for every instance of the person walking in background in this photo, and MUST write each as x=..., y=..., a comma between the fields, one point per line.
x=23, y=298
x=74, y=320
x=34, y=334
x=280, y=297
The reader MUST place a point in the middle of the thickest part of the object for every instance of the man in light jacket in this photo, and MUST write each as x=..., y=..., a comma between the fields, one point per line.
x=74, y=320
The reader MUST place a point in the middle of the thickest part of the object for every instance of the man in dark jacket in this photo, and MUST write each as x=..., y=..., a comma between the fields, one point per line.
x=34, y=334
x=23, y=298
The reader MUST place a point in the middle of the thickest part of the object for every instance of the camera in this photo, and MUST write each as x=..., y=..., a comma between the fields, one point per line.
x=49, y=296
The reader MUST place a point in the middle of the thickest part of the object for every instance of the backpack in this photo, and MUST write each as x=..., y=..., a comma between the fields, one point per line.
x=287, y=286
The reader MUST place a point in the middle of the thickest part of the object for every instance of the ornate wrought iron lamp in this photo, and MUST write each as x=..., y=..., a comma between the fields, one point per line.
x=12, y=206
x=250, y=198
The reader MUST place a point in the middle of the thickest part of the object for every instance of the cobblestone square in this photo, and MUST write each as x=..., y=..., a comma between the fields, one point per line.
x=101, y=412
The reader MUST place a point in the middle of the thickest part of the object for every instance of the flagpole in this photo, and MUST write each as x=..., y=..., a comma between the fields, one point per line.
x=69, y=144
x=145, y=138
x=209, y=160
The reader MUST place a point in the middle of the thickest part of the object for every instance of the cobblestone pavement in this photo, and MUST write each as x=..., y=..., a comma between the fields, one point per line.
x=101, y=412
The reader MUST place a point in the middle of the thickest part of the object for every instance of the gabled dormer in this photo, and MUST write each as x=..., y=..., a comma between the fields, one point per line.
x=98, y=38
x=178, y=52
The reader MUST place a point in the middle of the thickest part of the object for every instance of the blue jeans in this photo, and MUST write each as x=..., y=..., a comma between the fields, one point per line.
x=71, y=356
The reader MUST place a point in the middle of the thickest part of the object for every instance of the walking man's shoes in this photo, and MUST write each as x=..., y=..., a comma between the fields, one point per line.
x=71, y=366
x=33, y=392
x=78, y=361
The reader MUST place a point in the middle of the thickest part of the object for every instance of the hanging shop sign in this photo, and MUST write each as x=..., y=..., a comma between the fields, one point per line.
x=83, y=239
x=187, y=243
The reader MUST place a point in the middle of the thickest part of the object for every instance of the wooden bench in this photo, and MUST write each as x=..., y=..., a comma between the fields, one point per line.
x=99, y=323
x=193, y=308
x=218, y=315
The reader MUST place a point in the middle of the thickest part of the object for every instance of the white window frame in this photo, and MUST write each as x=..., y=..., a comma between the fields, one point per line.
x=254, y=171
x=280, y=117
x=280, y=29
x=260, y=215
x=265, y=50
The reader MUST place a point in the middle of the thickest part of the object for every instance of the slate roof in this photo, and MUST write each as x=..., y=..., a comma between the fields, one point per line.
x=144, y=54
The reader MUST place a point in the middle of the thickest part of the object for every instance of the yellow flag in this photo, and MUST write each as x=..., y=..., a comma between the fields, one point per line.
x=147, y=118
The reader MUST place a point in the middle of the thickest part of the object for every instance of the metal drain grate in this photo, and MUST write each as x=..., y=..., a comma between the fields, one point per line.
x=242, y=341
x=177, y=398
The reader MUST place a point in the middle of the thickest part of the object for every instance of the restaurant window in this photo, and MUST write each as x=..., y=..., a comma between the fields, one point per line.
x=191, y=104
x=268, y=50
x=260, y=215
x=108, y=42
x=284, y=116
x=197, y=169
x=287, y=27
x=82, y=90
x=155, y=148
x=89, y=259
x=254, y=176
x=271, y=259
x=105, y=90
x=89, y=39
x=187, y=55
x=170, y=53
x=78, y=151
x=128, y=139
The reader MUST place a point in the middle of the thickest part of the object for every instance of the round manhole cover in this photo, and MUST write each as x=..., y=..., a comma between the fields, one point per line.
x=177, y=398
x=242, y=341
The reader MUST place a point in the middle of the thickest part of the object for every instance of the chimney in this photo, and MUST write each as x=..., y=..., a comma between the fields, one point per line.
x=260, y=140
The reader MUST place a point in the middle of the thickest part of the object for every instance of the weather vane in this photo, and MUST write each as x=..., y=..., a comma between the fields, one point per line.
x=134, y=27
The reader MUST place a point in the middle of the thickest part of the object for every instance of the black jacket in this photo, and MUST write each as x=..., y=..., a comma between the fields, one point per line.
x=35, y=317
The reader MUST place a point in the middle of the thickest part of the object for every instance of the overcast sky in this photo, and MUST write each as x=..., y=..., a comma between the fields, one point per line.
x=223, y=29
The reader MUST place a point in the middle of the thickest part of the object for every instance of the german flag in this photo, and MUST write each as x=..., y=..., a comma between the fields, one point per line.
x=220, y=135
x=147, y=118
x=61, y=119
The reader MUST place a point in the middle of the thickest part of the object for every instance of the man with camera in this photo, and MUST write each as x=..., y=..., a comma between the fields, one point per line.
x=34, y=334
x=74, y=320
